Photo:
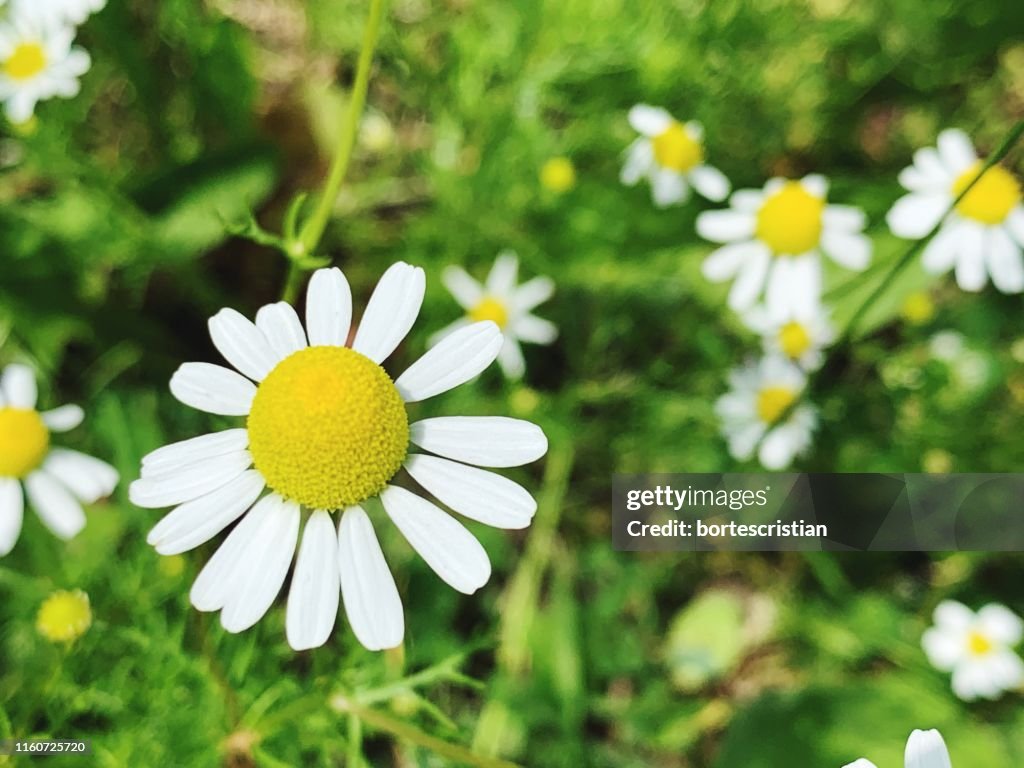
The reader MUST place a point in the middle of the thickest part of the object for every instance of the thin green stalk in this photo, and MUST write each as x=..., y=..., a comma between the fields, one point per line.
x=292, y=282
x=355, y=743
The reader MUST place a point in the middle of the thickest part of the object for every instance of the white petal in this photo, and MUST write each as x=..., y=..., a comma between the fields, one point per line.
x=953, y=616
x=639, y=162
x=861, y=763
x=852, y=251
x=329, y=308
x=844, y=217
x=723, y=263
x=487, y=441
x=443, y=542
x=777, y=450
x=726, y=226
x=501, y=280
x=197, y=521
x=1015, y=224
x=63, y=419
x=750, y=281
x=710, y=182
x=476, y=493
x=372, y=604
x=747, y=200
x=316, y=587
x=941, y=251
x=392, y=310
x=88, y=478
x=669, y=187
x=213, y=388
x=12, y=506
x=955, y=151
x=533, y=329
x=196, y=449
x=455, y=360
x=1005, y=264
x=1001, y=625
x=926, y=749
x=914, y=216
x=816, y=184
x=463, y=288
x=648, y=120
x=511, y=360
x=971, y=274
x=188, y=482
x=242, y=344
x=533, y=293
x=943, y=648
x=282, y=328
x=54, y=504
x=795, y=291
x=19, y=386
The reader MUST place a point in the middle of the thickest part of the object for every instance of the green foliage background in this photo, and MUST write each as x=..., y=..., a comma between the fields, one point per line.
x=114, y=249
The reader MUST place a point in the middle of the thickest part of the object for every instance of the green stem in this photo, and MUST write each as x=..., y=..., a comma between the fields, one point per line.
x=446, y=671
x=314, y=227
x=292, y=282
x=355, y=743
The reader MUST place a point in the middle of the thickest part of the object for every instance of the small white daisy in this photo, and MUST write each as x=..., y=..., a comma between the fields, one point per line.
x=37, y=62
x=983, y=235
x=670, y=155
x=774, y=239
x=925, y=749
x=506, y=304
x=977, y=648
x=58, y=11
x=752, y=413
x=801, y=340
x=327, y=430
x=57, y=481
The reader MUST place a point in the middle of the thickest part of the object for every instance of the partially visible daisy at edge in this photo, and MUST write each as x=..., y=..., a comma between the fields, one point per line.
x=670, y=155
x=58, y=11
x=57, y=481
x=925, y=749
x=982, y=236
x=977, y=648
x=327, y=430
x=773, y=240
x=754, y=413
x=37, y=62
x=801, y=340
x=506, y=303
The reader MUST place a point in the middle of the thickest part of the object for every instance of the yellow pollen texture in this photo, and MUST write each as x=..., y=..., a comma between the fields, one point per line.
x=27, y=61
x=64, y=616
x=978, y=644
x=24, y=440
x=789, y=221
x=327, y=428
x=992, y=198
x=676, y=149
x=490, y=308
x=794, y=340
x=772, y=402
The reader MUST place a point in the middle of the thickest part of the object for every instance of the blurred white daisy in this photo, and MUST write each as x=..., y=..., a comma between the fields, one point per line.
x=327, y=430
x=670, y=155
x=57, y=481
x=983, y=235
x=977, y=648
x=801, y=340
x=58, y=11
x=504, y=303
x=37, y=62
x=754, y=413
x=925, y=749
x=774, y=239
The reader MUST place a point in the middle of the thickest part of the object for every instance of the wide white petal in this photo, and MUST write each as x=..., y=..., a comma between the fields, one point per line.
x=1005, y=264
x=12, y=506
x=63, y=419
x=845, y=217
x=532, y=293
x=188, y=482
x=282, y=328
x=463, y=288
x=953, y=616
x=242, y=344
x=329, y=308
x=443, y=542
x=316, y=586
x=710, y=182
x=1001, y=625
x=533, y=329
x=476, y=493
x=777, y=449
x=941, y=251
x=648, y=120
x=915, y=215
x=971, y=274
x=639, y=162
x=372, y=604
x=85, y=476
x=511, y=360
x=849, y=250
x=197, y=521
x=455, y=360
x=726, y=226
x=815, y=184
x=955, y=151
x=56, y=507
x=723, y=263
x=501, y=280
x=669, y=187
x=392, y=310
x=175, y=456
x=795, y=292
x=861, y=763
x=944, y=648
x=747, y=200
x=18, y=383
x=926, y=749
x=486, y=441
x=1015, y=224
x=213, y=388
x=750, y=280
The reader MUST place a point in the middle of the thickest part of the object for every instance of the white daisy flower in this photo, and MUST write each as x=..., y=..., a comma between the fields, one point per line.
x=37, y=62
x=752, y=413
x=58, y=11
x=977, y=648
x=983, y=235
x=327, y=430
x=670, y=155
x=57, y=481
x=925, y=749
x=504, y=303
x=801, y=340
x=774, y=239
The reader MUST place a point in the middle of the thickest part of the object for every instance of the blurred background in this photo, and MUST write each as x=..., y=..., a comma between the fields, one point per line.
x=116, y=209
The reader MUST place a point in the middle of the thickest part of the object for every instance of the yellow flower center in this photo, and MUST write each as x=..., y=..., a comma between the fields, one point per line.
x=773, y=402
x=64, y=616
x=676, y=149
x=992, y=198
x=794, y=340
x=27, y=61
x=490, y=308
x=558, y=175
x=327, y=428
x=979, y=645
x=24, y=440
x=789, y=221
